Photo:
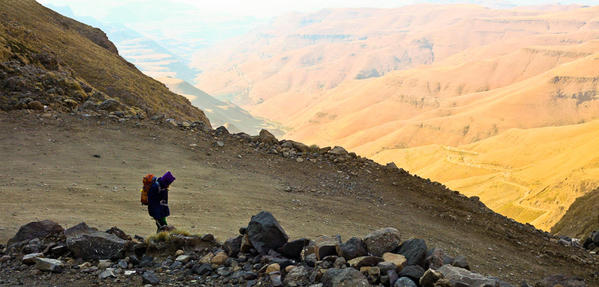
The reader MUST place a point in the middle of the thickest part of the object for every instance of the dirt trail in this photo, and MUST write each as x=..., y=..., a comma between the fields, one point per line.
x=50, y=173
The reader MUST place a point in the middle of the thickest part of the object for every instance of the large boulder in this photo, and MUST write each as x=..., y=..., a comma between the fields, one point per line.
x=382, y=240
x=265, y=233
x=353, y=248
x=461, y=277
x=414, y=250
x=347, y=277
x=89, y=243
x=37, y=229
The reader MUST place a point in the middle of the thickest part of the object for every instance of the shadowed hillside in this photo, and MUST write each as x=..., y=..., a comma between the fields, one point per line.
x=53, y=48
x=582, y=217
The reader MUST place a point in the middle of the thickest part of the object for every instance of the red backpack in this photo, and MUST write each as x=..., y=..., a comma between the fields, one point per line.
x=148, y=180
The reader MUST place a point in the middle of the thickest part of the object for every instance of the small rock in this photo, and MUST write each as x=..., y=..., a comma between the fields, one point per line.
x=397, y=259
x=404, y=282
x=129, y=272
x=414, y=250
x=326, y=245
x=297, y=276
x=461, y=261
x=293, y=249
x=108, y=273
x=185, y=258
x=49, y=265
x=233, y=245
x=202, y=269
x=220, y=144
x=412, y=271
x=337, y=150
x=29, y=259
x=104, y=263
x=150, y=278
x=275, y=267
x=266, y=137
x=382, y=240
x=365, y=261
x=344, y=277
x=219, y=258
x=429, y=278
x=353, y=248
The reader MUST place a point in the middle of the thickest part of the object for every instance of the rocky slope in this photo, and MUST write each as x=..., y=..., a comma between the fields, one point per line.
x=262, y=255
x=53, y=61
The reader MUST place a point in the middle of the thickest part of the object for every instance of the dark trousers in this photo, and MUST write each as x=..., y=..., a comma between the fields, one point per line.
x=160, y=223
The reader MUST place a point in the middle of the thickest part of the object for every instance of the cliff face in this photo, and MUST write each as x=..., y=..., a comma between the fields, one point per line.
x=62, y=64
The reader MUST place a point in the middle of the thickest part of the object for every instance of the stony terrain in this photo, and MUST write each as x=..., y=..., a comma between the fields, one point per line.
x=74, y=167
x=261, y=255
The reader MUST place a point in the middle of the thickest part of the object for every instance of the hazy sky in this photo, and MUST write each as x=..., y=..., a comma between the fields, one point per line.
x=268, y=8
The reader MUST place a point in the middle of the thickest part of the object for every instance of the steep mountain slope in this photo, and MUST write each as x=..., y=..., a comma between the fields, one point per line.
x=86, y=65
x=229, y=115
x=582, y=217
x=531, y=175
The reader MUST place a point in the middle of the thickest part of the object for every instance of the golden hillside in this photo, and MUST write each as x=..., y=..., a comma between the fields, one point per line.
x=56, y=48
x=411, y=82
x=531, y=175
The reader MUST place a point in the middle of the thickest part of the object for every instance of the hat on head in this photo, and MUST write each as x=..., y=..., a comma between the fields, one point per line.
x=167, y=178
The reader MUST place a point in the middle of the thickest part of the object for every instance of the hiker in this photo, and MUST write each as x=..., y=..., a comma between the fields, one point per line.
x=158, y=200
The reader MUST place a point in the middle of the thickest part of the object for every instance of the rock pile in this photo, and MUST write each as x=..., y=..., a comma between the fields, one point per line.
x=261, y=255
x=44, y=84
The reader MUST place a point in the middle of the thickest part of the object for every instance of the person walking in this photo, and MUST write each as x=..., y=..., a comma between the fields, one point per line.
x=158, y=200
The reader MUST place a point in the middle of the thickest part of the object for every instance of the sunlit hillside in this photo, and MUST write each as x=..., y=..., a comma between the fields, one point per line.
x=531, y=175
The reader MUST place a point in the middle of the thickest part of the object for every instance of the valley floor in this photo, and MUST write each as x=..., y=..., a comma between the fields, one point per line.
x=49, y=172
